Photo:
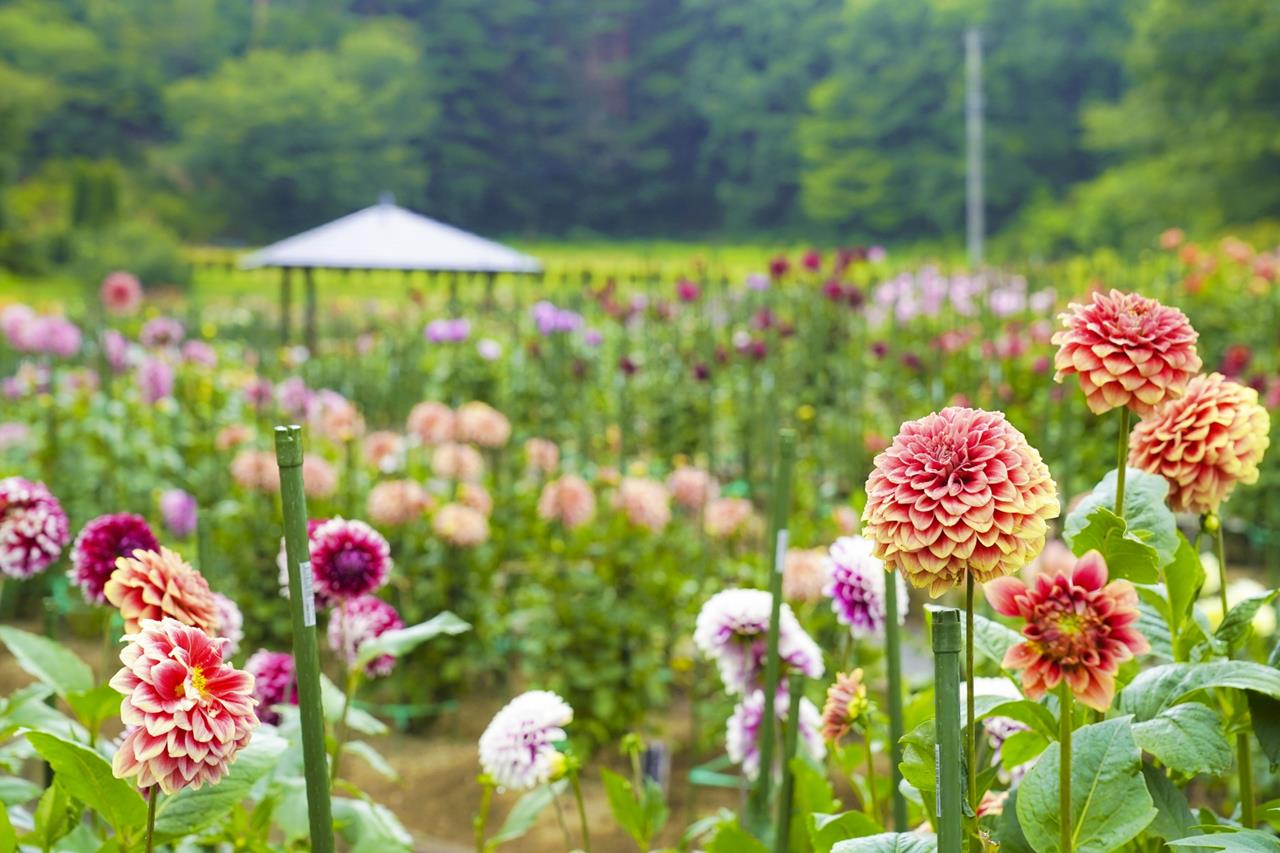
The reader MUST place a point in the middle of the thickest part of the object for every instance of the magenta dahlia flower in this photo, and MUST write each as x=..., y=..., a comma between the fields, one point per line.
x=857, y=587
x=732, y=629
x=180, y=511
x=33, y=527
x=101, y=542
x=355, y=623
x=188, y=712
x=349, y=559
x=274, y=682
x=959, y=491
x=742, y=731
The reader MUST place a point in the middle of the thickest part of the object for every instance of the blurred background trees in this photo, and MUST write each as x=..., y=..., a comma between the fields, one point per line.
x=206, y=121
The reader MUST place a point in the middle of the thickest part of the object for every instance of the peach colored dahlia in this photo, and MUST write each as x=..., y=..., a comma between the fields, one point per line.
x=157, y=585
x=1128, y=350
x=1204, y=442
x=958, y=491
x=845, y=707
x=1079, y=628
x=188, y=713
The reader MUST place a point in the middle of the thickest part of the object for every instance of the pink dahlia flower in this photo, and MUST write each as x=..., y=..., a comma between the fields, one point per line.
x=1079, y=628
x=857, y=587
x=357, y=622
x=959, y=491
x=395, y=502
x=349, y=559
x=188, y=712
x=1128, y=350
x=160, y=585
x=383, y=449
x=645, y=503
x=1203, y=443
x=742, y=731
x=692, y=488
x=725, y=518
x=162, y=332
x=457, y=462
x=432, y=422
x=33, y=527
x=121, y=294
x=319, y=480
x=568, y=500
x=230, y=623
x=232, y=436
x=518, y=748
x=256, y=470
x=804, y=574
x=461, y=526
x=542, y=455
x=482, y=425
x=845, y=707
x=732, y=629
x=274, y=682
x=100, y=543
x=180, y=512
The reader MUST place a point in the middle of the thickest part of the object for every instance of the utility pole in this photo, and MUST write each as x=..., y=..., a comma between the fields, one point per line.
x=975, y=218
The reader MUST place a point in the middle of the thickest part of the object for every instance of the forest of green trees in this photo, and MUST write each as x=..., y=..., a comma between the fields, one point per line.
x=128, y=123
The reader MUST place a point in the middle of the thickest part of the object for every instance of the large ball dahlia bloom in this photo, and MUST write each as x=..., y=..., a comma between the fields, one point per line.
x=460, y=525
x=348, y=559
x=1128, y=350
x=396, y=502
x=100, y=543
x=1079, y=628
x=158, y=585
x=1204, y=442
x=188, y=712
x=33, y=527
x=432, y=422
x=645, y=503
x=357, y=622
x=518, y=749
x=856, y=587
x=568, y=500
x=742, y=731
x=958, y=491
x=482, y=425
x=733, y=628
x=274, y=682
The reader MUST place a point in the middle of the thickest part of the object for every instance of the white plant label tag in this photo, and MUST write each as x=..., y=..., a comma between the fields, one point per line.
x=308, y=594
x=780, y=555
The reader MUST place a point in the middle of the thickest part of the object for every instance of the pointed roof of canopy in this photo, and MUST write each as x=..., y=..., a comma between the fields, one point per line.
x=386, y=236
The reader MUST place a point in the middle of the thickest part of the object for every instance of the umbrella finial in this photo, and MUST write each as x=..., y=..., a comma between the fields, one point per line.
x=386, y=197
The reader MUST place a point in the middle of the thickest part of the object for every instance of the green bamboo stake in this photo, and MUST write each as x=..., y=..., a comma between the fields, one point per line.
x=1122, y=459
x=302, y=608
x=780, y=506
x=893, y=663
x=947, y=644
x=790, y=734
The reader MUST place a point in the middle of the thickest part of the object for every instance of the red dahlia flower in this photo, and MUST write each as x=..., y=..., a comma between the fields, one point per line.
x=100, y=543
x=158, y=585
x=1079, y=628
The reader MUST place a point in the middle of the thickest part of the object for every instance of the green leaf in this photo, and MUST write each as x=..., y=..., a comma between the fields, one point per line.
x=358, y=721
x=404, y=640
x=1153, y=624
x=811, y=793
x=373, y=758
x=525, y=812
x=54, y=817
x=889, y=842
x=1173, y=816
x=1025, y=711
x=1237, y=841
x=87, y=776
x=370, y=828
x=1126, y=555
x=50, y=662
x=1265, y=713
x=14, y=791
x=8, y=838
x=1161, y=687
x=918, y=764
x=190, y=811
x=1183, y=578
x=1021, y=747
x=1239, y=621
x=732, y=838
x=1187, y=738
x=95, y=706
x=827, y=829
x=1008, y=830
x=1146, y=512
x=991, y=639
x=627, y=811
x=1109, y=800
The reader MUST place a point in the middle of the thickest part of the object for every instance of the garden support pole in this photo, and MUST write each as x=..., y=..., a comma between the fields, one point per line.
x=310, y=308
x=946, y=677
x=302, y=608
x=791, y=733
x=893, y=663
x=780, y=508
x=286, y=304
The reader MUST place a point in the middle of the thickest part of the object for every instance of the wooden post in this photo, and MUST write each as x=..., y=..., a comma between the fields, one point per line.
x=286, y=303
x=308, y=276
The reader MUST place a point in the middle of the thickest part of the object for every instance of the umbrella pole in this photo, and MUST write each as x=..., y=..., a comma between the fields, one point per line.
x=286, y=299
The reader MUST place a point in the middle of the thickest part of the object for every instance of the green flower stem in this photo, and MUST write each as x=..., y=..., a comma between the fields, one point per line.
x=153, y=796
x=872, y=805
x=1064, y=767
x=576, y=783
x=482, y=819
x=340, y=731
x=1122, y=459
x=970, y=725
x=564, y=827
x=1244, y=750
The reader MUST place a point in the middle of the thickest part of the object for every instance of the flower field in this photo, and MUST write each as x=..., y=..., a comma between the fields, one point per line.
x=879, y=556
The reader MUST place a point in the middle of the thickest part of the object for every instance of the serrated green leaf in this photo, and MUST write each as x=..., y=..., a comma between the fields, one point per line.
x=1161, y=687
x=1146, y=512
x=991, y=639
x=94, y=706
x=626, y=810
x=1126, y=555
x=525, y=812
x=889, y=842
x=1237, y=841
x=825, y=830
x=1187, y=738
x=87, y=776
x=190, y=811
x=403, y=640
x=1265, y=713
x=1183, y=578
x=1008, y=830
x=918, y=765
x=1173, y=815
x=52, y=663
x=811, y=793
x=1109, y=800
x=1239, y=621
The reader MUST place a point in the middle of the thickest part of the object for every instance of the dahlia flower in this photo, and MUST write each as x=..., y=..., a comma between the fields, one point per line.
x=725, y=518
x=457, y=462
x=348, y=559
x=1079, y=628
x=155, y=380
x=846, y=520
x=518, y=748
x=256, y=470
x=644, y=502
x=804, y=574
x=1203, y=443
x=162, y=332
x=199, y=352
x=121, y=293
x=460, y=526
x=568, y=500
x=384, y=450
x=179, y=510
x=845, y=707
x=432, y=422
x=692, y=487
x=742, y=731
x=189, y=713
x=160, y=585
x=1128, y=350
x=319, y=480
x=230, y=623
x=732, y=628
x=482, y=425
x=355, y=623
x=100, y=543
x=334, y=416
x=33, y=527
x=475, y=496
x=542, y=456
x=959, y=491
x=56, y=336
x=115, y=349
x=17, y=321
x=857, y=587
x=232, y=436
x=293, y=396
x=274, y=682
x=396, y=502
